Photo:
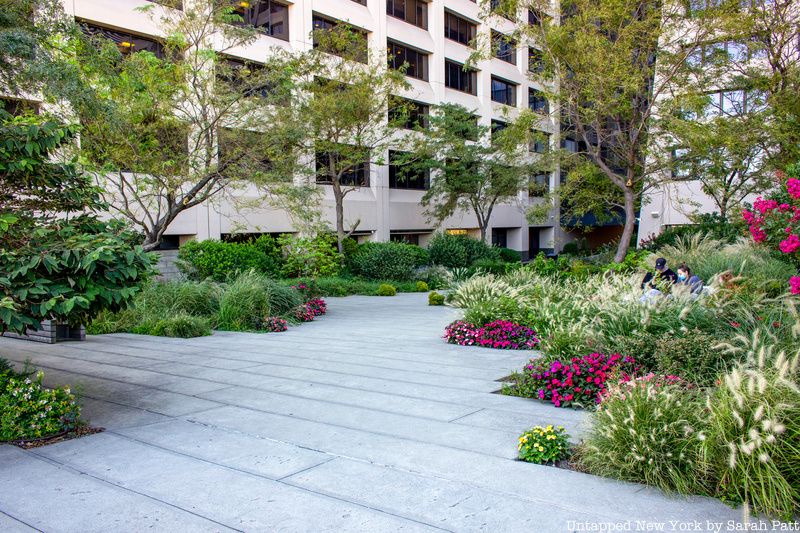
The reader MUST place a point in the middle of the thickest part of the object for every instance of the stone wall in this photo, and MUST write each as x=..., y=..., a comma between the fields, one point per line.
x=166, y=266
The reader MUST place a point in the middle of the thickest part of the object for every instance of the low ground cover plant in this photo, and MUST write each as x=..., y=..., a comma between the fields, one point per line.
x=421, y=286
x=28, y=410
x=579, y=382
x=544, y=445
x=499, y=334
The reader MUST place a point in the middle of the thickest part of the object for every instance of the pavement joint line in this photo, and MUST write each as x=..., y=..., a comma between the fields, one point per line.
x=232, y=469
x=298, y=380
x=421, y=473
x=199, y=396
x=78, y=471
x=332, y=457
x=256, y=364
x=254, y=350
x=466, y=415
x=23, y=522
x=367, y=431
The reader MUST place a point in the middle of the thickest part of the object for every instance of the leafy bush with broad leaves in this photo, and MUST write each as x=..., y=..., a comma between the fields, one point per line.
x=458, y=251
x=310, y=257
x=221, y=261
x=508, y=255
x=28, y=410
x=384, y=260
x=56, y=267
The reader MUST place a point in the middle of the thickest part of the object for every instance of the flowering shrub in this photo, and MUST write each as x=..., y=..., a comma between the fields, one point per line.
x=303, y=313
x=462, y=333
x=544, y=445
x=307, y=290
x=275, y=324
x=29, y=411
x=507, y=335
x=317, y=306
x=775, y=220
x=580, y=382
x=500, y=334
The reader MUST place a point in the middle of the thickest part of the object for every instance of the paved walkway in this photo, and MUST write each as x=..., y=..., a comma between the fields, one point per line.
x=364, y=420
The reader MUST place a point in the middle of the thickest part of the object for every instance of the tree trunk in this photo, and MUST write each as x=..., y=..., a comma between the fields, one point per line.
x=627, y=231
x=484, y=231
x=339, y=200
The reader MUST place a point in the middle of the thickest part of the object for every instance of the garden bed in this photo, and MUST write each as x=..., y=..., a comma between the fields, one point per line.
x=76, y=433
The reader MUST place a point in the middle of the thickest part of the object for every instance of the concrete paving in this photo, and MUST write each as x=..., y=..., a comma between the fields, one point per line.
x=364, y=420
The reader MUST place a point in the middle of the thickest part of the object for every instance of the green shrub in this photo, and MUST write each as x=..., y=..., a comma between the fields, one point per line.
x=384, y=260
x=181, y=325
x=491, y=266
x=508, y=255
x=435, y=298
x=223, y=260
x=386, y=290
x=244, y=300
x=459, y=251
x=641, y=346
x=28, y=410
x=708, y=224
x=694, y=357
x=421, y=286
x=421, y=256
x=542, y=445
x=436, y=276
x=346, y=286
x=646, y=431
x=310, y=257
x=545, y=266
x=349, y=247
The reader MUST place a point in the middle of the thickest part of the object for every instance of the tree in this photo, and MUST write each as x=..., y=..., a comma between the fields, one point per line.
x=605, y=64
x=335, y=125
x=58, y=261
x=478, y=169
x=180, y=122
x=725, y=154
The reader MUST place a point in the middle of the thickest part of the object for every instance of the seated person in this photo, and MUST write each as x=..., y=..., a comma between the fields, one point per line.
x=662, y=274
x=693, y=282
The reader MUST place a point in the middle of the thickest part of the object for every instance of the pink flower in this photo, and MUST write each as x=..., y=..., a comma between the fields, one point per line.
x=790, y=245
x=758, y=234
x=764, y=206
x=793, y=188
x=794, y=283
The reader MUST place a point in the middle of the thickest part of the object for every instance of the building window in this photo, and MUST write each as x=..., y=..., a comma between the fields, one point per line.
x=539, y=185
x=497, y=127
x=570, y=145
x=459, y=29
x=414, y=61
x=239, y=74
x=537, y=102
x=679, y=164
x=324, y=24
x=504, y=48
x=16, y=107
x=408, y=113
x=497, y=7
x=242, y=146
x=535, y=60
x=504, y=92
x=534, y=17
x=407, y=238
x=356, y=176
x=541, y=144
x=412, y=11
x=268, y=16
x=459, y=79
x=406, y=178
x=127, y=43
x=734, y=102
x=500, y=237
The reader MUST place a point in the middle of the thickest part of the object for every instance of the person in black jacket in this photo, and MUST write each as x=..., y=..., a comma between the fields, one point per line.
x=663, y=273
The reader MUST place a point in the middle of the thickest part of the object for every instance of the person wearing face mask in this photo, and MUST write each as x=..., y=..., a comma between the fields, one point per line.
x=687, y=279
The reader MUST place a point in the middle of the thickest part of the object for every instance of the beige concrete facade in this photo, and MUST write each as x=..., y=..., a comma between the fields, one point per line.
x=383, y=212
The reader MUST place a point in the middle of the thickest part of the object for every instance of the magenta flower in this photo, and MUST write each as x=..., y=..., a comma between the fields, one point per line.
x=794, y=284
x=790, y=245
x=793, y=188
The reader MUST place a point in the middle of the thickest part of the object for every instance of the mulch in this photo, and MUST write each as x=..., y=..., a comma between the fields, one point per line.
x=80, y=431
